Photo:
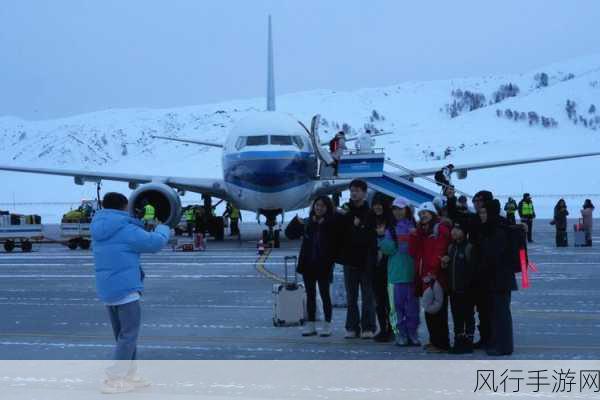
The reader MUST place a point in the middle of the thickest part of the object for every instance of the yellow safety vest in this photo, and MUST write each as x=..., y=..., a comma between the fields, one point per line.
x=527, y=209
x=235, y=213
x=149, y=212
x=511, y=208
x=189, y=216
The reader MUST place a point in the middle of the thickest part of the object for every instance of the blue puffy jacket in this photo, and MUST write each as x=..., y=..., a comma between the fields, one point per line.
x=118, y=239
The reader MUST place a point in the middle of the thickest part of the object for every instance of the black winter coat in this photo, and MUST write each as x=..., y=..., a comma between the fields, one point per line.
x=460, y=268
x=317, y=252
x=560, y=218
x=357, y=244
x=493, y=257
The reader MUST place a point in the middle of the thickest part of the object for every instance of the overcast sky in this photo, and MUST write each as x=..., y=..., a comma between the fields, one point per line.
x=63, y=57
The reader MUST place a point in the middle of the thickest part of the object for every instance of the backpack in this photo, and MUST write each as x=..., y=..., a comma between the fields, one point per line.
x=333, y=145
x=295, y=229
x=517, y=255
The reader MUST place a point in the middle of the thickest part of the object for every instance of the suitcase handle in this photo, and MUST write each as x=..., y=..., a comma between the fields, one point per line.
x=285, y=261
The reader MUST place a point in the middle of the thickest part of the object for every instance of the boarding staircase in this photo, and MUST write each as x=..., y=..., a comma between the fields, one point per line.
x=368, y=164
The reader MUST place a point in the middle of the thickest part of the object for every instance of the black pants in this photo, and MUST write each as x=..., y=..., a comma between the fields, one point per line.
x=311, y=296
x=437, y=325
x=502, y=329
x=561, y=238
x=235, y=229
x=482, y=303
x=382, y=300
x=356, y=279
x=463, y=313
x=511, y=219
x=529, y=223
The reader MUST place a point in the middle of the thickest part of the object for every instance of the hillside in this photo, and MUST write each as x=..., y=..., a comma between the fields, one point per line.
x=419, y=114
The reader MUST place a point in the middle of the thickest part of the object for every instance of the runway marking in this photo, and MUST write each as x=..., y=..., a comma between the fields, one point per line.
x=30, y=256
x=88, y=276
x=144, y=264
x=145, y=304
x=260, y=267
x=567, y=263
x=355, y=347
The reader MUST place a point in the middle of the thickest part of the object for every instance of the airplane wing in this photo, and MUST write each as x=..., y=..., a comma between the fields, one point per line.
x=192, y=141
x=461, y=170
x=212, y=187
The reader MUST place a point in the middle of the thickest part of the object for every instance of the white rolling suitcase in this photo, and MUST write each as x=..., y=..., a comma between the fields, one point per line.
x=289, y=298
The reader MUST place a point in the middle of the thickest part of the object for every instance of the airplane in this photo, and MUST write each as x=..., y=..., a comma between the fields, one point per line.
x=271, y=164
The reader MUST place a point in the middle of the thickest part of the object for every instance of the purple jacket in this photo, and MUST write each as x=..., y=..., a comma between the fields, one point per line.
x=402, y=230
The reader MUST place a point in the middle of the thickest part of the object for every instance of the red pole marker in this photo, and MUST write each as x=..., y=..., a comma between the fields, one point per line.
x=524, y=276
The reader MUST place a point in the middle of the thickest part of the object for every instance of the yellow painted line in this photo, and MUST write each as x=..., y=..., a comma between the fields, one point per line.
x=260, y=267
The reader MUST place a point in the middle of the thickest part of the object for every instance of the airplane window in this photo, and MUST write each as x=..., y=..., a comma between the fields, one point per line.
x=281, y=140
x=257, y=140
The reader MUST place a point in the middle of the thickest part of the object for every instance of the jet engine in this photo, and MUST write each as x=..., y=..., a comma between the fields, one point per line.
x=164, y=199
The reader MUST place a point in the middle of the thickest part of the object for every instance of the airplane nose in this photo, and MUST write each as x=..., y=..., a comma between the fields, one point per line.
x=270, y=174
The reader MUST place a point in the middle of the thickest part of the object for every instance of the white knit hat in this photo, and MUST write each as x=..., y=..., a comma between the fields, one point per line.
x=428, y=206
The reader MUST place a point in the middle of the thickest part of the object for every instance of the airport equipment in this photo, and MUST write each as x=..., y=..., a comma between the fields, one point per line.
x=75, y=225
x=20, y=231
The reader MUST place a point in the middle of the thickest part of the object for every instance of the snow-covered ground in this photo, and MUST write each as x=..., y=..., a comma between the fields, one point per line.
x=119, y=140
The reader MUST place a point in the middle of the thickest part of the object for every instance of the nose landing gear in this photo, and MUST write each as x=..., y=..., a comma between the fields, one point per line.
x=271, y=236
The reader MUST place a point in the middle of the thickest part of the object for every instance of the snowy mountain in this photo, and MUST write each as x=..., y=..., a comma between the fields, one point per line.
x=433, y=123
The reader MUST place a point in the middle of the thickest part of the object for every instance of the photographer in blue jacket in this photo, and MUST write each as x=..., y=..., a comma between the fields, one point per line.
x=118, y=240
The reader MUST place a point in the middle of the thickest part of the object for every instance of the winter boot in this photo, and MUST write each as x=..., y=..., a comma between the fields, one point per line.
x=326, y=330
x=309, y=329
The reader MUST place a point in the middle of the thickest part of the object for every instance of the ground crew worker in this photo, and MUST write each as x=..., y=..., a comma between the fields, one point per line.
x=149, y=215
x=190, y=219
x=235, y=216
x=527, y=214
x=200, y=220
x=511, y=209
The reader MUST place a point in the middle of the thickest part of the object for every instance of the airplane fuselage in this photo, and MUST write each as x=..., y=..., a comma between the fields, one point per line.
x=269, y=163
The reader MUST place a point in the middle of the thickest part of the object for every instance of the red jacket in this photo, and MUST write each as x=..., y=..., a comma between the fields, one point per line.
x=427, y=251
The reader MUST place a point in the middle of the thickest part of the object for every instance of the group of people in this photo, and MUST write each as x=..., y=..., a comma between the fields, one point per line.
x=526, y=213
x=399, y=260
x=560, y=222
x=198, y=220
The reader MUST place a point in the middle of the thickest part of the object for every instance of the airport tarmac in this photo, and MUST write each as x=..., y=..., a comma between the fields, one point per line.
x=217, y=305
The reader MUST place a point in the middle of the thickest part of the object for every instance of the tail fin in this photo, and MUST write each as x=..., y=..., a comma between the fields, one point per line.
x=270, y=73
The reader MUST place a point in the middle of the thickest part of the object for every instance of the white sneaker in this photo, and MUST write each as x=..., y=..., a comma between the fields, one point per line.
x=114, y=386
x=367, y=335
x=138, y=382
x=326, y=330
x=309, y=329
x=351, y=335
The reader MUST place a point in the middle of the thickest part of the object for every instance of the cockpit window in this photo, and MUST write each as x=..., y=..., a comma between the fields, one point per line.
x=281, y=140
x=276, y=140
x=257, y=140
